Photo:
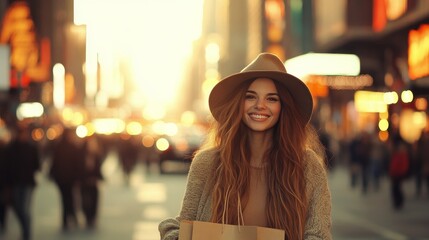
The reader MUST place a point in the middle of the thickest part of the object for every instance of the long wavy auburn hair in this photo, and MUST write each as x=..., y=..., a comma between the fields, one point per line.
x=287, y=203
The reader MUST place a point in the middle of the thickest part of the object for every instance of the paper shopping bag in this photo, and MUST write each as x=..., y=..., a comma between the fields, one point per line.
x=185, y=230
x=197, y=230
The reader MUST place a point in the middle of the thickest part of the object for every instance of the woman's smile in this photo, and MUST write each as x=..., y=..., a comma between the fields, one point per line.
x=258, y=116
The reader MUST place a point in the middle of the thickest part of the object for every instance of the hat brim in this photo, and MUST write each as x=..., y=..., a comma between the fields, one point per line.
x=222, y=92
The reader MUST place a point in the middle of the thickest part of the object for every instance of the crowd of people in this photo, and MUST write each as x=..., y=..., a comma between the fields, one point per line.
x=396, y=159
x=19, y=162
x=72, y=163
x=74, y=167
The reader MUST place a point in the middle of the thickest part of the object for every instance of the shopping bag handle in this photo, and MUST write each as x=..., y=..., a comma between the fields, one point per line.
x=239, y=212
x=225, y=206
x=240, y=218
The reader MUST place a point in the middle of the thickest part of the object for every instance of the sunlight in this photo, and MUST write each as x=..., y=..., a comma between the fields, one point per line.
x=146, y=44
x=164, y=48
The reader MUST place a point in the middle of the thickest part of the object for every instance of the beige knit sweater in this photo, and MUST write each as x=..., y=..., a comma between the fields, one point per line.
x=197, y=201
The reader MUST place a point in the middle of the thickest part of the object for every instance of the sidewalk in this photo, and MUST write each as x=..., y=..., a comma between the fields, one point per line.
x=372, y=213
x=133, y=212
x=126, y=212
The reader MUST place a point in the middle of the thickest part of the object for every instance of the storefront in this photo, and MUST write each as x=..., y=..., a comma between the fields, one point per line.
x=390, y=38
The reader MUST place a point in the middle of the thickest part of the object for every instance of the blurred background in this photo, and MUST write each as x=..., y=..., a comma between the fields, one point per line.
x=134, y=76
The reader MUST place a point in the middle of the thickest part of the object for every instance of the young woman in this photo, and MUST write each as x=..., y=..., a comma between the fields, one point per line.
x=261, y=152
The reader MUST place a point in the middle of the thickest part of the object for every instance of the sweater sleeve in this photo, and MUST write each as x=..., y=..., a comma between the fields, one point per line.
x=318, y=225
x=197, y=177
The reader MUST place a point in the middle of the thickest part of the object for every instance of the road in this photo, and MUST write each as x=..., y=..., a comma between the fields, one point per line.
x=133, y=211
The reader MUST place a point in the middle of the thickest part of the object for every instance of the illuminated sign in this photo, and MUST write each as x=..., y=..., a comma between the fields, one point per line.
x=29, y=60
x=323, y=64
x=341, y=82
x=395, y=8
x=367, y=101
x=418, y=52
x=29, y=110
x=387, y=10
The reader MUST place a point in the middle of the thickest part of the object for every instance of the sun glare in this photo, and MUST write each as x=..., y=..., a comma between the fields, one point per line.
x=145, y=43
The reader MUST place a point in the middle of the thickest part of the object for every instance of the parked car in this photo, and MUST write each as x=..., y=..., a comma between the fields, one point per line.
x=179, y=147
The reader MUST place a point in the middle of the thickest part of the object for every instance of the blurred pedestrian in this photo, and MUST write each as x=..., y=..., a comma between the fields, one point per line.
x=378, y=160
x=360, y=149
x=23, y=161
x=90, y=175
x=354, y=161
x=149, y=153
x=128, y=153
x=398, y=170
x=64, y=172
x=422, y=163
x=4, y=185
x=263, y=153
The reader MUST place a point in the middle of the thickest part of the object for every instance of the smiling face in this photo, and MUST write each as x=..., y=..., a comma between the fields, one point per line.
x=262, y=105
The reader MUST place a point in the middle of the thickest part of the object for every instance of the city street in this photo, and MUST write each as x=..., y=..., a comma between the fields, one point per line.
x=134, y=87
x=133, y=211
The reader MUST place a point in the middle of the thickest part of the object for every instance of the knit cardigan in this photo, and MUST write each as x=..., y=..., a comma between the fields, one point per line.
x=197, y=200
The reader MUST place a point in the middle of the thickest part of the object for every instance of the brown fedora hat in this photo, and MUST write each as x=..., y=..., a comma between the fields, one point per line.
x=266, y=65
